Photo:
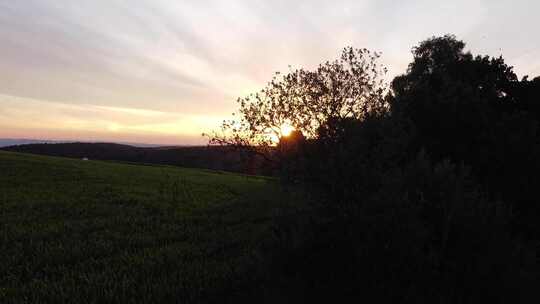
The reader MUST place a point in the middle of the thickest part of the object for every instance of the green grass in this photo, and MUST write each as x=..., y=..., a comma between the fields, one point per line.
x=92, y=232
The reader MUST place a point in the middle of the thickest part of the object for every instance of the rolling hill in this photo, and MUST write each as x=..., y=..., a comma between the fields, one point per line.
x=214, y=158
x=103, y=232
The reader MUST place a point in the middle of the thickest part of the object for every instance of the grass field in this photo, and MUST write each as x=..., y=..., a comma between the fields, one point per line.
x=100, y=232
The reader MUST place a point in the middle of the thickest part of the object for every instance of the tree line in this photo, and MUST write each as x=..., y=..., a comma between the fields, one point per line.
x=423, y=190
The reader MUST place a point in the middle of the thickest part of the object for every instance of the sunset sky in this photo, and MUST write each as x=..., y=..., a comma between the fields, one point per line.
x=163, y=72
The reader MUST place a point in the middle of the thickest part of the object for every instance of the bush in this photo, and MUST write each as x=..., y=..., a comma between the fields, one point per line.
x=426, y=235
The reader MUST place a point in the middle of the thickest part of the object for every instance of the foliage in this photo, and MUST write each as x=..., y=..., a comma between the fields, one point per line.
x=425, y=234
x=429, y=199
x=349, y=87
x=473, y=109
x=452, y=97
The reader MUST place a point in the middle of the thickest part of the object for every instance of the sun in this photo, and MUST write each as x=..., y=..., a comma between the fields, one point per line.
x=286, y=129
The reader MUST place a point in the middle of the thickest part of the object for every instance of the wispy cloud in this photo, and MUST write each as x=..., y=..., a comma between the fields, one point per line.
x=193, y=58
x=91, y=122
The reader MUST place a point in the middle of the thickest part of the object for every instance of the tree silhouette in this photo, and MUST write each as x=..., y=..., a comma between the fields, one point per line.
x=453, y=98
x=434, y=184
x=473, y=109
x=350, y=86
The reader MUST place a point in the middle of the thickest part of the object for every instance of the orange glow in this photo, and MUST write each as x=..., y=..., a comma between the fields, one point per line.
x=286, y=129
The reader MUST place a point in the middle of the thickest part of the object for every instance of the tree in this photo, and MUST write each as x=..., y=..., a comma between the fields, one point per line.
x=474, y=110
x=452, y=97
x=303, y=100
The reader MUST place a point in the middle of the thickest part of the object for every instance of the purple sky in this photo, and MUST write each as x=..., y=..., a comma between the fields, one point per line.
x=165, y=71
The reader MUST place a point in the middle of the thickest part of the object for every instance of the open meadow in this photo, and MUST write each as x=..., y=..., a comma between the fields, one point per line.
x=91, y=231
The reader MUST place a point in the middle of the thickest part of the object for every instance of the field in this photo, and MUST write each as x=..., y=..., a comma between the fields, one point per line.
x=90, y=231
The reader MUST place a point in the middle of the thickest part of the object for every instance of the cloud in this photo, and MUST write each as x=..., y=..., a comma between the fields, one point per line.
x=194, y=58
x=90, y=122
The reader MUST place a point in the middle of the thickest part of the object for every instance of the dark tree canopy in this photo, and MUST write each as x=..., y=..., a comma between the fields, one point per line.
x=452, y=97
x=474, y=110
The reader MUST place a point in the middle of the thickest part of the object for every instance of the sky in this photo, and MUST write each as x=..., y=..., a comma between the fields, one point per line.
x=163, y=72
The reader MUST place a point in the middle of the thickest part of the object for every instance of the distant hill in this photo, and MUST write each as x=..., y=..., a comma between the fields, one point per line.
x=6, y=142
x=214, y=158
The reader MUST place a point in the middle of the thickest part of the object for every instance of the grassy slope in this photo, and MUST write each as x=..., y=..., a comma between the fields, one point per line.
x=87, y=231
